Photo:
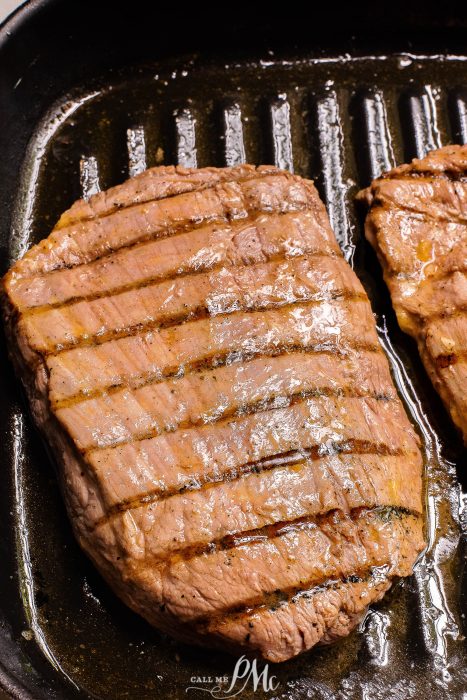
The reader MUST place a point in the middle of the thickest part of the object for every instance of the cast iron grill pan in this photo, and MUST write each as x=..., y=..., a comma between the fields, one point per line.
x=342, y=121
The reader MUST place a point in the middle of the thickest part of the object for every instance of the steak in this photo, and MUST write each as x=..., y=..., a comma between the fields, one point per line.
x=417, y=223
x=205, y=366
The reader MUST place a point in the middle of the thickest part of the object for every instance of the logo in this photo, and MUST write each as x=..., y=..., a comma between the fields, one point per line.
x=245, y=674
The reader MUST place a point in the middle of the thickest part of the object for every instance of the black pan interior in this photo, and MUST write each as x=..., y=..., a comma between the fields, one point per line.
x=337, y=101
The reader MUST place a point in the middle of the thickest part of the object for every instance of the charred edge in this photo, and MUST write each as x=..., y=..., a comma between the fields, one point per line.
x=192, y=224
x=286, y=459
x=198, y=314
x=444, y=361
x=280, y=529
x=212, y=362
x=197, y=188
x=248, y=409
x=181, y=273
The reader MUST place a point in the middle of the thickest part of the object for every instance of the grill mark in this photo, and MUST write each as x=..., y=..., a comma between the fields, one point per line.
x=181, y=273
x=429, y=175
x=285, y=459
x=198, y=314
x=445, y=274
x=442, y=315
x=431, y=279
x=275, y=530
x=273, y=600
x=281, y=597
x=388, y=205
x=191, y=225
x=248, y=409
x=201, y=188
x=388, y=264
x=212, y=362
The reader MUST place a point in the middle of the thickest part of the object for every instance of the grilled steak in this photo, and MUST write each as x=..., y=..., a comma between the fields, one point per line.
x=417, y=224
x=234, y=456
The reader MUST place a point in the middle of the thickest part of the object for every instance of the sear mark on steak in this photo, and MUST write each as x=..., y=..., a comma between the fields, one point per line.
x=205, y=366
x=417, y=223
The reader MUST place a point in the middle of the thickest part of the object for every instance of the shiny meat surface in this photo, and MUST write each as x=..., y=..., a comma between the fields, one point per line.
x=205, y=365
x=417, y=223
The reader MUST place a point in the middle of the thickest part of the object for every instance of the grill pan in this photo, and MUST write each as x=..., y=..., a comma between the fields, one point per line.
x=90, y=96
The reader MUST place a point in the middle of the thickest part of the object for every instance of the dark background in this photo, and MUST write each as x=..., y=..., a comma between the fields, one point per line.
x=47, y=48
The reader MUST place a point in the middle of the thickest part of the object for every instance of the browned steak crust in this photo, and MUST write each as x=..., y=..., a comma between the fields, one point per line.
x=417, y=223
x=205, y=365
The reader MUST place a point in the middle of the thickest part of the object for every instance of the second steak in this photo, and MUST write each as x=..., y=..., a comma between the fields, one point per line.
x=417, y=223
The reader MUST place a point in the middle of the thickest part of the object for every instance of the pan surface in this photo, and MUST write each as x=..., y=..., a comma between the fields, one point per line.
x=341, y=118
